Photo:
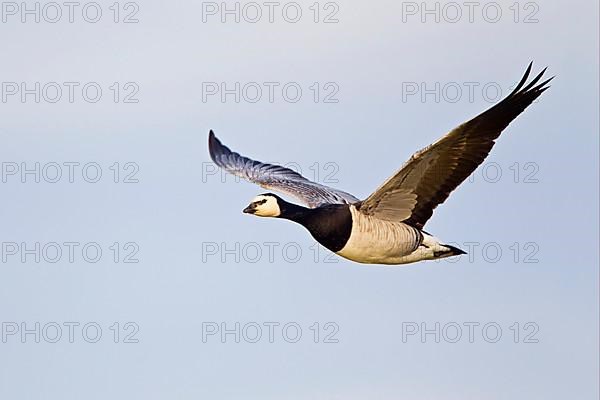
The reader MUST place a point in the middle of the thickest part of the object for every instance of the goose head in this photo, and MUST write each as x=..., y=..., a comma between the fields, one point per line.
x=265, y=205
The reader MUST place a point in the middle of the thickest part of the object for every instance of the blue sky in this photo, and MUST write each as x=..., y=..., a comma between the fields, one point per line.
x=195, y=262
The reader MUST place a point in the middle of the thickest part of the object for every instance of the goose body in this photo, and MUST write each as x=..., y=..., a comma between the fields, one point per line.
x=377, y=241
x=386, y=227
x=344, y=230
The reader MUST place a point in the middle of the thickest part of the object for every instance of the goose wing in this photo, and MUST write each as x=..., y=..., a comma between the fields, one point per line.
x=431, y=174
x=275, y=177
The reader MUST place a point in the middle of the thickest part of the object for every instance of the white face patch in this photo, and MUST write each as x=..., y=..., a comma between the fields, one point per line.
x=265, y=206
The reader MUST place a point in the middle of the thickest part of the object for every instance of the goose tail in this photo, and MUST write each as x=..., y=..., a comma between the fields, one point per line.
x=449, y=251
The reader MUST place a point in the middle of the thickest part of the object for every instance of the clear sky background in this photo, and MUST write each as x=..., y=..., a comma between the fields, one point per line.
x=202, y=263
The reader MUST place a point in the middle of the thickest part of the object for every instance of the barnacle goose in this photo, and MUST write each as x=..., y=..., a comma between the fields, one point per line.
x=386, y=227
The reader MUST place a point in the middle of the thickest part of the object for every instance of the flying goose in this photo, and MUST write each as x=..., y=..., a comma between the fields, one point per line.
x=386, y=227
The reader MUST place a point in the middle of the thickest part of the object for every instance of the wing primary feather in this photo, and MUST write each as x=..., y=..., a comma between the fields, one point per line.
x=535, y=80
x=523, y=80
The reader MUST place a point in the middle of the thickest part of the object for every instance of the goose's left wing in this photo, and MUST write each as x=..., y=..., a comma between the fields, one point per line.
x=430, y=175
x=275, y=177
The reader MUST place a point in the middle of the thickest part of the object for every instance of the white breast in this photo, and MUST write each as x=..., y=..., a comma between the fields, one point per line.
x=376, y=241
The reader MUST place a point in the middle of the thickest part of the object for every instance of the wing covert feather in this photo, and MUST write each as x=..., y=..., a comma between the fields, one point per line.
x=275, y=177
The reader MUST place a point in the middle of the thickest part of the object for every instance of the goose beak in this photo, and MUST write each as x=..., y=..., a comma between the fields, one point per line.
x=249, y=210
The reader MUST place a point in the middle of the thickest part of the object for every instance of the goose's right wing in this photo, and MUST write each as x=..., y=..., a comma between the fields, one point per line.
x=431, y=174
x=275, y=177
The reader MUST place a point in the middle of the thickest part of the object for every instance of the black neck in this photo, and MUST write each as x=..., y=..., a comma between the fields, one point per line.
x=330, y=225
x=293, y=212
